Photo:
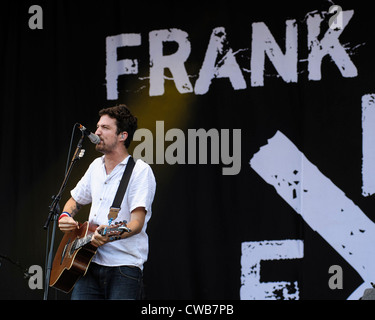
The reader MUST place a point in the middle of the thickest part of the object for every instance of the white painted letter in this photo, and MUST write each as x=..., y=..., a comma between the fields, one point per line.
x=219, y=62
x=264, y=43
x=174, y=62
x=368, y=144
x=323, y=206
x=328, y=45
x=114, y=67
x=253, y=253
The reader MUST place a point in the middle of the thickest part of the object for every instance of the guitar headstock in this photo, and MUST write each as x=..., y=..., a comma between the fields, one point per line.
x=116, y=229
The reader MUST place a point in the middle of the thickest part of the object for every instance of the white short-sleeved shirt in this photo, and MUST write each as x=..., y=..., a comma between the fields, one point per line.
x=99, y=189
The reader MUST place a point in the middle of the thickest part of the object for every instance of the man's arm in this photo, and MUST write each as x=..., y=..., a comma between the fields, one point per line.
x=137, y=220
x=67, y=224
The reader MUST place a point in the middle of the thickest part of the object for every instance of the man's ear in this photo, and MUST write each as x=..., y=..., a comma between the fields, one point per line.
x=124, y=135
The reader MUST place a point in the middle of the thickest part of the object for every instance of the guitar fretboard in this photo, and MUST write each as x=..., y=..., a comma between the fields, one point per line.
x=80, y=242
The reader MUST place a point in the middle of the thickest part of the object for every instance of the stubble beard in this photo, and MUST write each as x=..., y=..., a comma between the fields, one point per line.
x=105, y=148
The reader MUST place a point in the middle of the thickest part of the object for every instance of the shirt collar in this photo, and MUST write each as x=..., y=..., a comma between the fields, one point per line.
x=123, y=162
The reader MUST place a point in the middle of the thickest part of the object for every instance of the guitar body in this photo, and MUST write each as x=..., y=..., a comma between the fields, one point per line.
x=69, y=263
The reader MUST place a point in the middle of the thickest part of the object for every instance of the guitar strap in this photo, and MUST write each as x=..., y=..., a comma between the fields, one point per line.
x=116, y=205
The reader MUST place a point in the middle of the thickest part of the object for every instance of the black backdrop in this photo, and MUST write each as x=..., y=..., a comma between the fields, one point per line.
x=56, y=76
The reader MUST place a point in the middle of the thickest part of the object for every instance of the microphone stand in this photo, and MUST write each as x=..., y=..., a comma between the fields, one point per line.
x=54, y=214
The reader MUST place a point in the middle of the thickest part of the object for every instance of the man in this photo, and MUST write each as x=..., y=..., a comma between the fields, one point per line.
x=116, y=270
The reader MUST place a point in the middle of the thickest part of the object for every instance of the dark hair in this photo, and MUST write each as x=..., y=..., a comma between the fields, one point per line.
x=124, y=119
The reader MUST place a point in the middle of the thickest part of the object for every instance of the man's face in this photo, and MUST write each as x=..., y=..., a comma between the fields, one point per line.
x=107, y=132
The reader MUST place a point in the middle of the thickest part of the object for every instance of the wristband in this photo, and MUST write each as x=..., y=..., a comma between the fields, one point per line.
x=64, y=214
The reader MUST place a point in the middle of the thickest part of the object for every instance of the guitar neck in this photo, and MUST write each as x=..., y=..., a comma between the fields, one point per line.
x=116, y=230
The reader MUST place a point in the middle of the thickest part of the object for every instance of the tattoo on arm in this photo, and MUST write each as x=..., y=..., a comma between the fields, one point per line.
x=74, y=208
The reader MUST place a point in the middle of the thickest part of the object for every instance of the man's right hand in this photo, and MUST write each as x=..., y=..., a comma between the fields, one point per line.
x=67, y=224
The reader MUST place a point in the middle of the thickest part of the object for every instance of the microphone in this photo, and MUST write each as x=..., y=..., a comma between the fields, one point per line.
x=93, y=137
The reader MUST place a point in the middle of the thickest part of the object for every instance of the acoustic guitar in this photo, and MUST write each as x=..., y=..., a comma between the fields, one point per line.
x=75, y=253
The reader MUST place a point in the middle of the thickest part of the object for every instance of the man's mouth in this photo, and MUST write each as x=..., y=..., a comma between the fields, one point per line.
x=100, y=142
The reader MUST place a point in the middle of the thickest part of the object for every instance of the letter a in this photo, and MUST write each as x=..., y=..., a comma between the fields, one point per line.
x=36, y=20
x=335, y=281
x=219, y=62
